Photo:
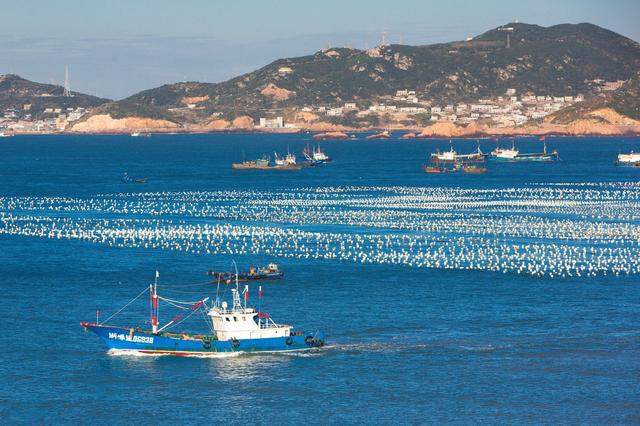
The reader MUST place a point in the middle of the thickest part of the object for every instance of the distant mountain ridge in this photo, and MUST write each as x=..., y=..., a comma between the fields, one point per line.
x=558, y=60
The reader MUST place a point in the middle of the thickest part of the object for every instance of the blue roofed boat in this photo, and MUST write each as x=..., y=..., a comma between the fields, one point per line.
x=236, y=328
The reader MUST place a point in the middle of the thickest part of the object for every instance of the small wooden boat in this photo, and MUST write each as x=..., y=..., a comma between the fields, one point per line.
x=439, y=168
x=128, y=179
x=473, y=169
x=269, y=272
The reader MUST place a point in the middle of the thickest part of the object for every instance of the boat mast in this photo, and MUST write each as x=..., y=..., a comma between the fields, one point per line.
x=237, y=305
x=153, y=289
x=246, y=295
x=259, y=306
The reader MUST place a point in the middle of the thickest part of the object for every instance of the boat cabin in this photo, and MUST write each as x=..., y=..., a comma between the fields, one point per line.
x=242, y=322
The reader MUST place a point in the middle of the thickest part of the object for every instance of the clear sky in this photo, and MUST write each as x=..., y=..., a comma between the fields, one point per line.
x=115, y=48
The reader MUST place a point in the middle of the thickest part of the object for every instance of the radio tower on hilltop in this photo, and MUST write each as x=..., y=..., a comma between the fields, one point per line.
x=507, y=30
x=67, y=86
x=384, y=38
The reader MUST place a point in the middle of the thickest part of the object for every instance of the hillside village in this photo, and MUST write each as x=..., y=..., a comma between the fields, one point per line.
x=403, y=109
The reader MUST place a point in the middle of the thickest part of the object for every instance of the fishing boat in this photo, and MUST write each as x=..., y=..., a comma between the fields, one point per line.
x=514, y=155
x=236, y=328
x=441, y=168
x=269, y=272
x=505, y=153
x=128, y=179
x=278, y=161
x=140, y=134
x=286, y=163
x=315, y=157
x=260, y=164
x=444, y=157
x=289, y=162
x=473, y=169
x=5, y=135
x=632, y=159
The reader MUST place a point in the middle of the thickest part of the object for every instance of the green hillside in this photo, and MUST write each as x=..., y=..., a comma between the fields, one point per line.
x=15, y=92
x=557, y=60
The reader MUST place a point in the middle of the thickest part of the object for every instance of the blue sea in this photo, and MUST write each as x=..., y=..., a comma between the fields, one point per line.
x=510, y=297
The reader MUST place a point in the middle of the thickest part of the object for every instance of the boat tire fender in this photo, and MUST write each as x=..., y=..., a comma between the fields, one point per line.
x=289, y=341
x=235, y=343
x=308, y=340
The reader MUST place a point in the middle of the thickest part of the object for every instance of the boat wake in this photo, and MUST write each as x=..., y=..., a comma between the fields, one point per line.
x=135, y=353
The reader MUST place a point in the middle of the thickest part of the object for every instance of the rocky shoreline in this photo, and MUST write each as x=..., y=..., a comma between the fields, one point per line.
x=602, y=122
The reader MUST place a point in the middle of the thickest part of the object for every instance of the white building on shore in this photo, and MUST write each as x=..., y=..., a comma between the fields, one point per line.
x=271, y=123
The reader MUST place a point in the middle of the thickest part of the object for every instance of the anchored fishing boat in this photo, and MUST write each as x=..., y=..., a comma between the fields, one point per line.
x=514, y=155
x=473, y=169
x=452, y=156
x=452, y=162
x=269, y=272
x=260, y=164
x=441, y=168
x=315, y=157
x=444, y=157
x=630, y=160
x=236, y=328
x=287, y=163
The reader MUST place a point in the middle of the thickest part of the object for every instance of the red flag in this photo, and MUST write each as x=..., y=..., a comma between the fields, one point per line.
x=542, y=138
x=263, y=315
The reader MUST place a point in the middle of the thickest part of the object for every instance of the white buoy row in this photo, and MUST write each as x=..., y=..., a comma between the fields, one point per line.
x=561, y=229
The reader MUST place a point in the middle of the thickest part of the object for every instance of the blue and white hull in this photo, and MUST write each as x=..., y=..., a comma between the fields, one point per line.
x=179, y=344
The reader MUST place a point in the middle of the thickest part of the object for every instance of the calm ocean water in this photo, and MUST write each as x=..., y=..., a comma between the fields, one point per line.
x=444, y=298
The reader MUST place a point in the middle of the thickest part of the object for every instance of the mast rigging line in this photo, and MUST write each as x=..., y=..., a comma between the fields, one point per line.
x=180, y=302
x=176, y=323
x=128, y=303
x=184, y=308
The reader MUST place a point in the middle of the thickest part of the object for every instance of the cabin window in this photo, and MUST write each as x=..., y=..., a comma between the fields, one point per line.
x=235, y=318
x=227, y=318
